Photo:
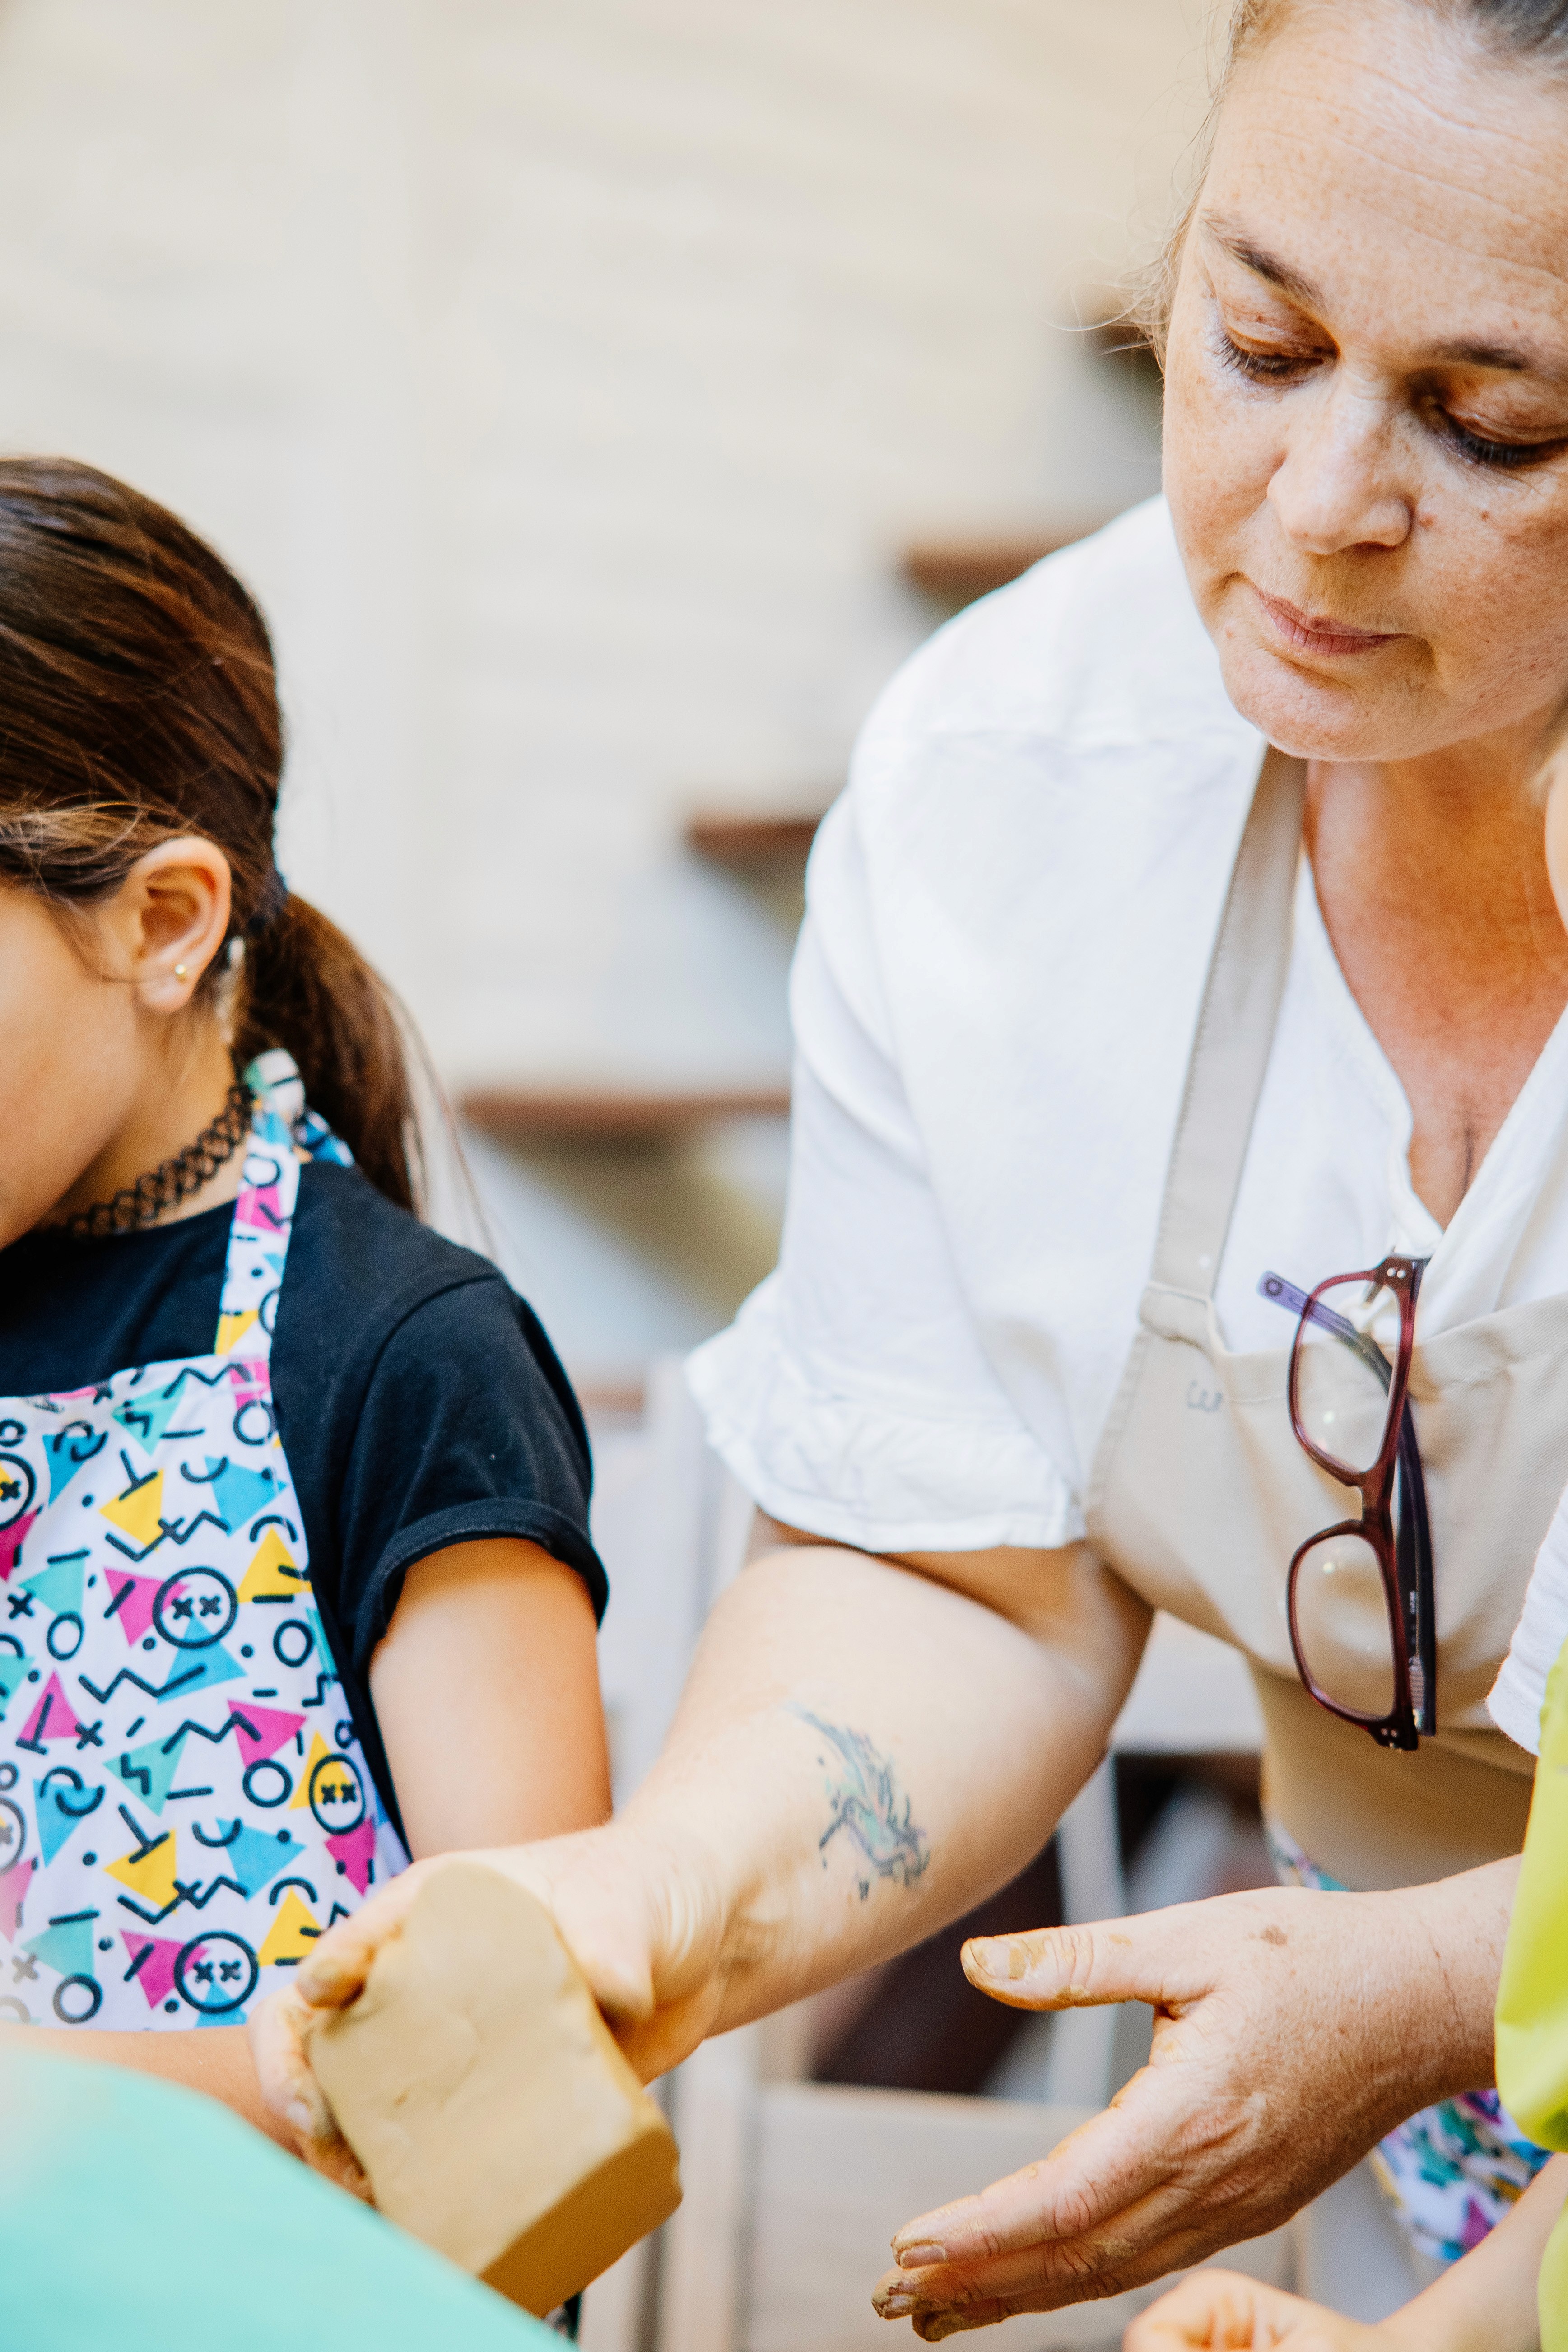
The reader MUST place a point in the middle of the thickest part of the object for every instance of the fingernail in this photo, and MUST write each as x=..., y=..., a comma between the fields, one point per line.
x=896, y=2307
x=303, y=2119
x=1004, y=1961
x=921, y=2257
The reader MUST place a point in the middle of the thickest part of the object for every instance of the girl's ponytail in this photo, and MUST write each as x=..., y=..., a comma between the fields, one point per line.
x=306, y=987
x=138, y=701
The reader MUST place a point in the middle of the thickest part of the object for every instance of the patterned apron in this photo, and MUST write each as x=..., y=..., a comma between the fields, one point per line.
x=1200, y=1494
x=184, y=1804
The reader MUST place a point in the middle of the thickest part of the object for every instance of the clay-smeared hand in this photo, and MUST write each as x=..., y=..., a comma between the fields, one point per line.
x=640, y=1918
x=1217, y=2309
x=1292, y=2030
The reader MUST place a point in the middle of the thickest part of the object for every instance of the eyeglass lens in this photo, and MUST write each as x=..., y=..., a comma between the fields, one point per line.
x=1345, y=1355
x=1342, y=1625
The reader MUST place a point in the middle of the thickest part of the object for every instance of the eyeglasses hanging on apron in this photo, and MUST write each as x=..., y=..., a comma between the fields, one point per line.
x=1359, y=1595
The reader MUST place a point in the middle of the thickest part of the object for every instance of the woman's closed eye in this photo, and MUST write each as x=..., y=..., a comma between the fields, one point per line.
x=1286, y=362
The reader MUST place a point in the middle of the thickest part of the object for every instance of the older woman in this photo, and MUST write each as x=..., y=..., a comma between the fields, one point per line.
x=1107, y=1012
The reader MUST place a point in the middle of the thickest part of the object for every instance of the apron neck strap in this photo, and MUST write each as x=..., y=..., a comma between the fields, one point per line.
x=1234, y=1035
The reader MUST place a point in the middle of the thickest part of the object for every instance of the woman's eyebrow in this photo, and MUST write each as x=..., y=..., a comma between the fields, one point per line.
x=1509, y=358
x=1263, y=264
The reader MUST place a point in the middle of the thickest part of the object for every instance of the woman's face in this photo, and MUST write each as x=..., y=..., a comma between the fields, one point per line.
x=1366, y=439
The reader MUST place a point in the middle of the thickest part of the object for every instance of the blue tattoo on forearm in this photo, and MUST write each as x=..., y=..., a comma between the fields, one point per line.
x=866, y=1803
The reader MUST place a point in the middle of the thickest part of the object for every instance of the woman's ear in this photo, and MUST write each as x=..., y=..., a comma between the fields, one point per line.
x=171, y=915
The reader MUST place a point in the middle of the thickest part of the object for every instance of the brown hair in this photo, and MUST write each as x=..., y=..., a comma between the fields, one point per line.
x=138, y=701
x=1534, y=31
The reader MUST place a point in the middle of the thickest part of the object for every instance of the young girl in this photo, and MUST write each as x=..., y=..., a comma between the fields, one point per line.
x=295, y=1576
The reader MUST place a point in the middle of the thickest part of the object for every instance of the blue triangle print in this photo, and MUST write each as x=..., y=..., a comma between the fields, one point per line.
x=62, y=1805
x=14, y=1673
x=203, y=1672
x=150, y=1769
x=67, y=1452
x=65, y=1945
x=59, y=1585
x=148, y=1416
x=237, y=1495
x=257, y=1856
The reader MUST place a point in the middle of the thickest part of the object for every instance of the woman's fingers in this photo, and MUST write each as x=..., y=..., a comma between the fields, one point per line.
x=334, y=1972
x=1085, y=1967
x=1222, y=2312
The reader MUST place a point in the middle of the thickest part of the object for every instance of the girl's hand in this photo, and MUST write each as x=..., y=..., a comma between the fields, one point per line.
x=642, y=1921
x=1217, y=2309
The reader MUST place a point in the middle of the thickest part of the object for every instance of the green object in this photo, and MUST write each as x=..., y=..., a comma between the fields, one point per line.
x=1532, y=1997
x=145, y=2218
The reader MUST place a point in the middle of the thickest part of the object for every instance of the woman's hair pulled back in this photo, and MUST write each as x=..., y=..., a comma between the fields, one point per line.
x=138, y=701
x=1534, y=31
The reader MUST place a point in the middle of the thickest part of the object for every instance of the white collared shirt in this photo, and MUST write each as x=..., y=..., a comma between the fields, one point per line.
x=1010, y=914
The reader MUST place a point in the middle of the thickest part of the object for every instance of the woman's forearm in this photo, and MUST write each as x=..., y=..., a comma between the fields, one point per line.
x=1464, y=1922
x=863, y=1751
x=215, y=2060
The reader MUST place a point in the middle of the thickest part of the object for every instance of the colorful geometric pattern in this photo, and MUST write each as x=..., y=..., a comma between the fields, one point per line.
x=183, y=1805
x=1451, y=2172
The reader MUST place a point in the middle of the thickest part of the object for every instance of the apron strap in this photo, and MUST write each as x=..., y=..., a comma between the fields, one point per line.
x=1234, y=1035
x=263, y=1219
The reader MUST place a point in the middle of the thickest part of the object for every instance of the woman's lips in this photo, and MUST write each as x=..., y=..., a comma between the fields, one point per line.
x=1318, y=633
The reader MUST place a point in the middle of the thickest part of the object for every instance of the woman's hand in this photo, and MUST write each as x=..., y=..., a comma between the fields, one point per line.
x=1219, y=2309
x=643, y=1920
x=1291, y=2030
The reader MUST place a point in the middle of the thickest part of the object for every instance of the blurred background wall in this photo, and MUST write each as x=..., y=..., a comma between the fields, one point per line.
x=569, y=378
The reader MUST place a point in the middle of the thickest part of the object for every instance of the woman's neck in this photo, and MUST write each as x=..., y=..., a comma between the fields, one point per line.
x=1431, y=876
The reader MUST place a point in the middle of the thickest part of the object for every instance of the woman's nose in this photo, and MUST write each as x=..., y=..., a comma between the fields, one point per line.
x=1337, y=484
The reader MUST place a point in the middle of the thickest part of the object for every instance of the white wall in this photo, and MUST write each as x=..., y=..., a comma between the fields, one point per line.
x=566, y=374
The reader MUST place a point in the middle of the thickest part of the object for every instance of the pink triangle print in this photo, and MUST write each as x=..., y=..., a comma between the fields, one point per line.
x=14, y=1883
x=11, y=1542
x=356, y=1850
x=52, y=1717
x=262, y=1730
x=134, y=1614
x=156, y=1974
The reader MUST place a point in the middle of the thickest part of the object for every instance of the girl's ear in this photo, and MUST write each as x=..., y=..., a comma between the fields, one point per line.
x=171, y=916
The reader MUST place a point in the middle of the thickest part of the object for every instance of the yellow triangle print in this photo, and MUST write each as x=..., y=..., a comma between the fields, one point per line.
x=272, y=1574
x=302, y=1795
x=291, y=1934
x=232, y=1329
x=150, y=1876
x=140, y=1513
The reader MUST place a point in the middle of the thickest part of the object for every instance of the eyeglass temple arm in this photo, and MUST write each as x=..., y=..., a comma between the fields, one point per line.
x=1306, y=1308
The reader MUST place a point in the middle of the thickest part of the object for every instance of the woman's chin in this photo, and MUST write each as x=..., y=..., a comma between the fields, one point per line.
x=1315, y=715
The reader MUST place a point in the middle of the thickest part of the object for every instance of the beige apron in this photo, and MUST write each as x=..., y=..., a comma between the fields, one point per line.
x=1200, y=1493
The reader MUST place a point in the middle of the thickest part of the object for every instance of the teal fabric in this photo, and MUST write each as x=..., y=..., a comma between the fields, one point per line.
x=138, y=2216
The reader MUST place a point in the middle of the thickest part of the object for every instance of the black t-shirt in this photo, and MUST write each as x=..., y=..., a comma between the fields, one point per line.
x=418, y=1401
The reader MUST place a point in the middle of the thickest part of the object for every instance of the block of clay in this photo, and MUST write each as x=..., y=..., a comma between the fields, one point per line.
x=478, y=2083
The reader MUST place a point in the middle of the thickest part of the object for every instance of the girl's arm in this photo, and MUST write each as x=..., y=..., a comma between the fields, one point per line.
x=486, y=1689
x=1485, y=2303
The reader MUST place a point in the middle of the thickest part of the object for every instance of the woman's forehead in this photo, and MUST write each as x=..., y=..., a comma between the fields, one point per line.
x=1375, y=152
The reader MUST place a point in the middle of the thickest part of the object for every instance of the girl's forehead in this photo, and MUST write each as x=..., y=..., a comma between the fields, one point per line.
x=1370, y=142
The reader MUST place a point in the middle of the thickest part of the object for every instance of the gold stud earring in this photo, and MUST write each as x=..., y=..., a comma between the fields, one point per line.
x=180, y=971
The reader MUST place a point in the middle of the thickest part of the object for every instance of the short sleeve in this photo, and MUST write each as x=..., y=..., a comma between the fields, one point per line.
x=468, y=1430
x=1518, y=1692
x=852, y=1397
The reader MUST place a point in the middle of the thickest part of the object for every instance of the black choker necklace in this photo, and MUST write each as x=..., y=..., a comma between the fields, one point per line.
x=164, y=1187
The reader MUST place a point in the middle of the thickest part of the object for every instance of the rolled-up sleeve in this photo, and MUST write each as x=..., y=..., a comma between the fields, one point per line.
x=851, y=1397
